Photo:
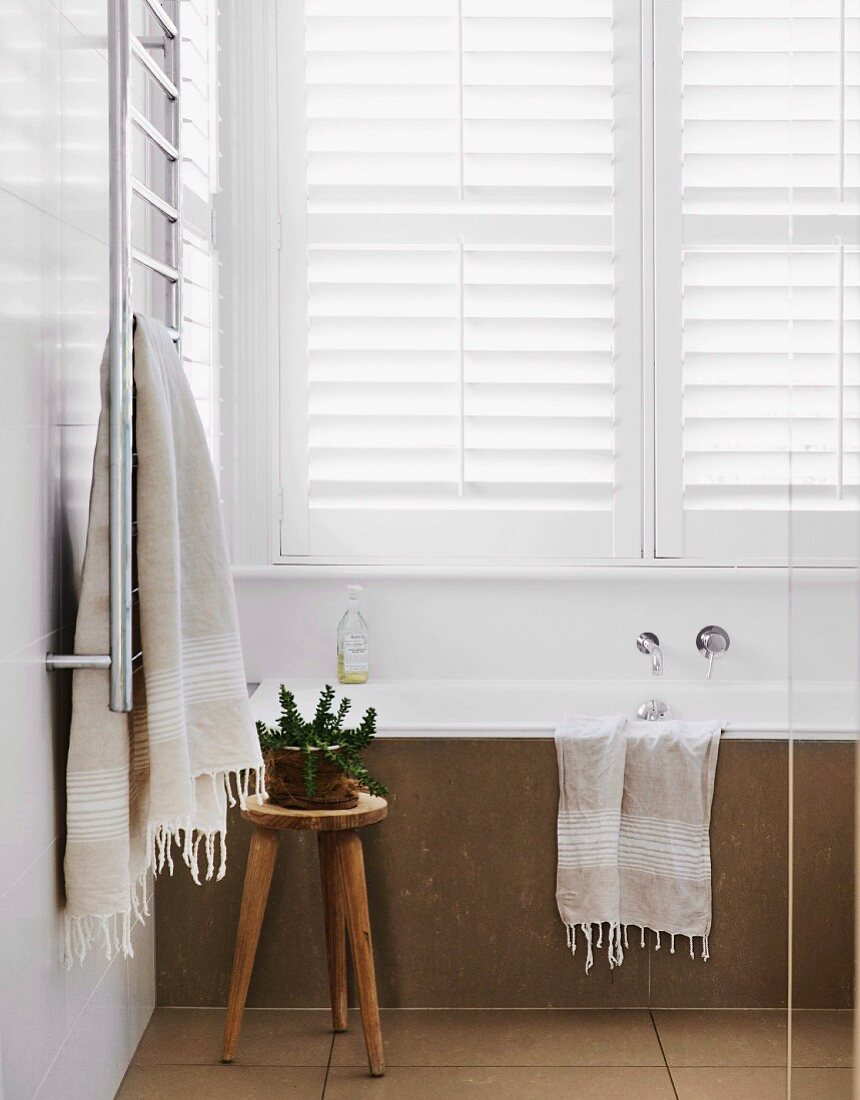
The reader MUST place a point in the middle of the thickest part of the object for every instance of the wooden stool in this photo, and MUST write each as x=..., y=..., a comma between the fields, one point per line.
x=345, y=906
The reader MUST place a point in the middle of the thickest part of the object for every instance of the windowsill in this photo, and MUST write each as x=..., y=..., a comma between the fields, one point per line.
x=532, y=708
x=688, y=570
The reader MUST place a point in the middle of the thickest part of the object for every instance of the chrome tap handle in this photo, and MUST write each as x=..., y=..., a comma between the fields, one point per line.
x=711, y=642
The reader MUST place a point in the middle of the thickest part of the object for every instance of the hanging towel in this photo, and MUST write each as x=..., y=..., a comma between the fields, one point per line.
x=633, y=830
x=137, y=784
x=664, y=855
x=591, y=784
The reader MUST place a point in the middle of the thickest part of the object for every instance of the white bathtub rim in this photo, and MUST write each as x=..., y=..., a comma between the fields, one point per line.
x=826, y=711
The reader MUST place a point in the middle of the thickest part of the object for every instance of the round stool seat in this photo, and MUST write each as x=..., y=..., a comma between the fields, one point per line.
x=370, y=809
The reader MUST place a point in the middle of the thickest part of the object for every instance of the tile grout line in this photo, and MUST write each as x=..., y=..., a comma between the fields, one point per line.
x=663, y=1052
x=328, y=1065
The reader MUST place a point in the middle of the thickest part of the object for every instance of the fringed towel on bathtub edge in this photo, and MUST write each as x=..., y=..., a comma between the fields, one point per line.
x=633, y=830
x=138, y=783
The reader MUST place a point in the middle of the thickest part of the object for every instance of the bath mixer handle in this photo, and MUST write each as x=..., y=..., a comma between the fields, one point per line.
x=711, y=642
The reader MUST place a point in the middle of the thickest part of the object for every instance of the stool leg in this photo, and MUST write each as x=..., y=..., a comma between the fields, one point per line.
x=351, y=860
x=335, y=927
x=258, y=879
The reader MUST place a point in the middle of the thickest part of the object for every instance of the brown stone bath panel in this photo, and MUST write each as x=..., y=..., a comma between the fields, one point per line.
x=824, y=874
x=462, y=882
x=462, y=892
x=196, y=928
x=748, y=967
x=462, y=888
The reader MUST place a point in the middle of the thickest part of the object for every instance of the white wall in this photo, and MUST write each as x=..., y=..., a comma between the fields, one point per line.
x=801, y=625
x=61, y=1035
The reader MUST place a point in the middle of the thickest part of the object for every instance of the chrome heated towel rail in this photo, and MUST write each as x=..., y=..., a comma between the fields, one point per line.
x=162, y=83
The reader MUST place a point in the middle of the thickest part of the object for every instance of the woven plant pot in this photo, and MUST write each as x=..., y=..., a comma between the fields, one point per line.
x=286, y=786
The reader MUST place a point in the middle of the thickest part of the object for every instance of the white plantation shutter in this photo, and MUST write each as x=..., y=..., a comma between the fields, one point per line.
x=199, y=176
x=758, y=278
x=460, y=278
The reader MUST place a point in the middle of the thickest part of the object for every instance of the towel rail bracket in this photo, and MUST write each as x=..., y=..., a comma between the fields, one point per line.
x=57, y=662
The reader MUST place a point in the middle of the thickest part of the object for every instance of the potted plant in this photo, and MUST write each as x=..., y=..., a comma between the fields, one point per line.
x=317, y=764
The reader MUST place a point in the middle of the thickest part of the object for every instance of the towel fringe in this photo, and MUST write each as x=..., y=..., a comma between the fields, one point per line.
x=193, y=865
x=615, y=953
x=114, y=929
x=242, y=779
x=589, y=958
x=617, y=941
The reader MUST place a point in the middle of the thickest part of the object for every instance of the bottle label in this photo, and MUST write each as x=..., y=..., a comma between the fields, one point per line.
x=355, y=653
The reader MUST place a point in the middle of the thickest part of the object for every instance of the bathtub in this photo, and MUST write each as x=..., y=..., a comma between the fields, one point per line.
x=531, y=708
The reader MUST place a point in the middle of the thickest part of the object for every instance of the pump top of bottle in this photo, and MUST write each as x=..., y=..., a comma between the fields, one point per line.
x=353, y=592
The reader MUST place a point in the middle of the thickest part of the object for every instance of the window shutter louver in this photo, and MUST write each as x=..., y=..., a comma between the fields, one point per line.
x=758, y=278
x=460, y=279
x=199, y=177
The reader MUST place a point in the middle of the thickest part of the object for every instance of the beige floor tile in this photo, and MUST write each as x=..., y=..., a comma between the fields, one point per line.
x=269, y=1037
x=222, y=1083
x=723, y=1037
x=502, y=1083
x=730, y=1083
x=822, y=1038
x=820, y=1084
x=475, y=1037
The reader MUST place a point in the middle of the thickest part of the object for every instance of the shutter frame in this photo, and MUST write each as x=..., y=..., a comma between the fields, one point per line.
x=749, y=421
x=397, y=325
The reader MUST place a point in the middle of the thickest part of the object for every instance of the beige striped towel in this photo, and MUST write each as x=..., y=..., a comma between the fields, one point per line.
x=633, y=830
x=137, y=784
x=590, y=755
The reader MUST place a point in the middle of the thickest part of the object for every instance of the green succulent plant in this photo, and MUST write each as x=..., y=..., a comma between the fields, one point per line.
x=326, y=734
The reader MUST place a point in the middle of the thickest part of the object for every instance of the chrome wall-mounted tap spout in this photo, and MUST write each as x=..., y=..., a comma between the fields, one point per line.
x=649, y=643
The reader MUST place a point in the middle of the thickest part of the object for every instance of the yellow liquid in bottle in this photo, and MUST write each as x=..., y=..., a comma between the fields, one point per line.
x=345, y=677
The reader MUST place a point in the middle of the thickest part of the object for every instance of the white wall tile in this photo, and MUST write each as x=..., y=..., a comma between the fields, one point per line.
x=91, y=1064
x=84, y=143
x=141, y=981
x=31, y=794
x=33, y=1020
x=30, y=304
x=30, y=102
x=84, y=325
x=83, y=979
x=97, y=1043
x=30, y=548
x=88, y=17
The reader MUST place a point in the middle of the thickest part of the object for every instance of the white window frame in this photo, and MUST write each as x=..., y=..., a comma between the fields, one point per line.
x=728, y=537
x=660, y=533
x=622, y=527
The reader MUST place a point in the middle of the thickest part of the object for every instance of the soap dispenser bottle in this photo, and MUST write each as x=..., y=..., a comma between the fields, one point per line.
x=352, y=641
